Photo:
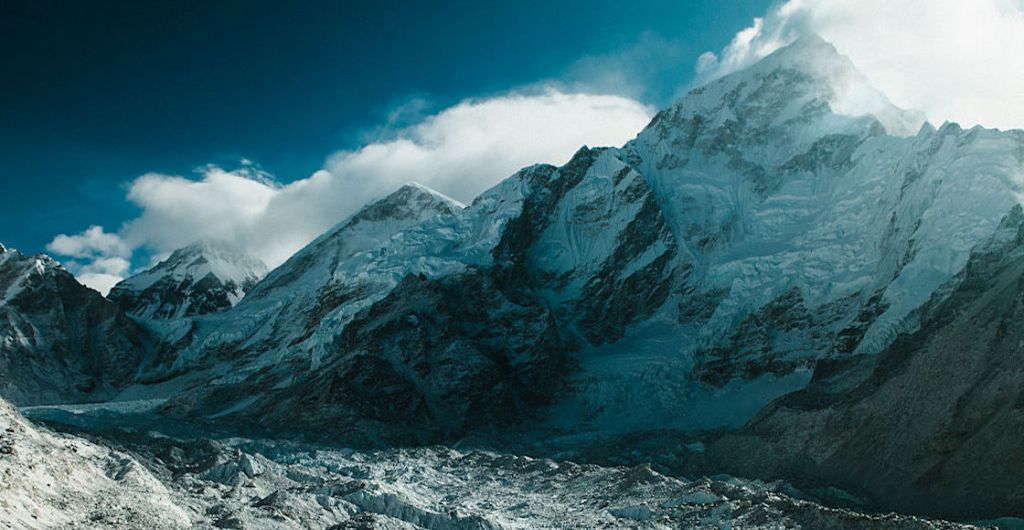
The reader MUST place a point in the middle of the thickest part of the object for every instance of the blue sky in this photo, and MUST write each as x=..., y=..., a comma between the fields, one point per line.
x=97, y=93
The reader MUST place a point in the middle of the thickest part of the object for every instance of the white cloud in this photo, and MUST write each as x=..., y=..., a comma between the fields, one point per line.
x=99, y=281
x=100, y=257
x=460, y=151
x=955, y=60
x=177, y=211
x=103, y=273
x=91, y=243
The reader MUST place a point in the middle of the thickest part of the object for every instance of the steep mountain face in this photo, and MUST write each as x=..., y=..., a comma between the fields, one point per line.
x=935, y=424
x=300, y=296
x=59, y=340
x=760, y=225
x=813, y=232
x=461, y=318
x=296, y=309
x=205, y=277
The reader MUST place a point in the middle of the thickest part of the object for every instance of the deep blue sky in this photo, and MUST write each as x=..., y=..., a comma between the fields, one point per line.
x=97, y=93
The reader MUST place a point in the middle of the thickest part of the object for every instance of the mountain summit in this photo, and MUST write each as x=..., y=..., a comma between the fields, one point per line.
x=205, y=277
x=806, y=81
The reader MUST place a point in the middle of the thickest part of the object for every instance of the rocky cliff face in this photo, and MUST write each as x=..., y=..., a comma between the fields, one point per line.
x=205, y=277
x=59, y=340
x=934, y=424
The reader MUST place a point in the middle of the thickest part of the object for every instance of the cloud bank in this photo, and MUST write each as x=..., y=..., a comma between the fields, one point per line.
x=954, y=60
x=460, y=151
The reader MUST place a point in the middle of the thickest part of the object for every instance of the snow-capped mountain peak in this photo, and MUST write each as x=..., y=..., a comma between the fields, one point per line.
x=204, y=277
x=410, y=200
x=806, y=85
x=315, y=265
x=849, y=92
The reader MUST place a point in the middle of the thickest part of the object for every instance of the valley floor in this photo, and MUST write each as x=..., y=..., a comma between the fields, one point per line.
x=102, y=473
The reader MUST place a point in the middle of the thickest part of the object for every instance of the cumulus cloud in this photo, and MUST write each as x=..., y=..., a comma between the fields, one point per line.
x=99, y=258
x=91, y=243
x=176, y=211
x=460, y=151
x=102, y=273
x=951, y=59
x=473, y=145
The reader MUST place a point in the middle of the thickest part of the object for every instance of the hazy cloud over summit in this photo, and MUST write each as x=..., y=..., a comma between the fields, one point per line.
x=953, y=60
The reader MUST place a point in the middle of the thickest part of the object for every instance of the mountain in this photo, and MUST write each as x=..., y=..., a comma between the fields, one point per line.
x=781, y=257
x=758, y=226
x=59, y=340
x=283, y=313
x=205, y=277
x=437, y=328
x=933, y=424
x=284, y=337
x=808, y=233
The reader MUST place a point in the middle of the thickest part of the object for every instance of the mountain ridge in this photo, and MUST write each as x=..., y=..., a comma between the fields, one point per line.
x=749, y=215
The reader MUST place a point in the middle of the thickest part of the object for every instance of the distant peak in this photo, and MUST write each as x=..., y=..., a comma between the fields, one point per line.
x=412, y=185
x=408, y=201
x=810, y=54
x=413, y=194
x=2, y=248
x=811, y=40
x=206, y=244
x=413, y=188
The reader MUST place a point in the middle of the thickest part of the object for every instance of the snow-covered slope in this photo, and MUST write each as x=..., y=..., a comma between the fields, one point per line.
x=60, y=340
x=301, y=290
x=316, y=288
x=795, y=209
x=205, y=277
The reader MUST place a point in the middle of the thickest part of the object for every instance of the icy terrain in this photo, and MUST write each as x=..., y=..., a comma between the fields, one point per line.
x=952, y=389
x=126, y=479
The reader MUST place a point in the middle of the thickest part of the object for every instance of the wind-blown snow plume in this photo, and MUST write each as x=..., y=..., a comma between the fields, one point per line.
x=953, y=60
x=460, y=151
